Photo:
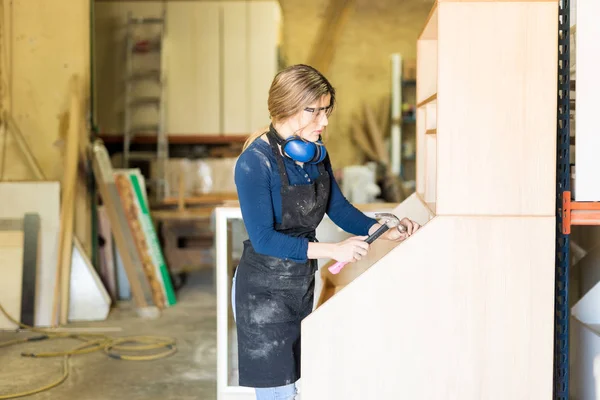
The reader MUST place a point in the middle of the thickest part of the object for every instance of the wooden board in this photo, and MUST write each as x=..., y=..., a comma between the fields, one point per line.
x=412, y=207
x=235, y=52
x=497, y=108
x=263, y=34
x=107, y=255
x=19, y=198
x=427, y=60
x=461, y=310
x=129, y=184
x=126, y=247
x=193, y=94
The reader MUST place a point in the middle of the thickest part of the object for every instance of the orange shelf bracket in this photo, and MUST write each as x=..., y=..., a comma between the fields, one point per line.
x=578, y=213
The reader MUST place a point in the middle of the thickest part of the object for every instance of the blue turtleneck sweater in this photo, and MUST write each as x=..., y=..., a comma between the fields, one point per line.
x=258, y=186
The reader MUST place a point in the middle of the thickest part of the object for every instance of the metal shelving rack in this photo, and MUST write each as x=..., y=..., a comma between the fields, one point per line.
x=135, y=47
x=563, y=183
x=568, y=211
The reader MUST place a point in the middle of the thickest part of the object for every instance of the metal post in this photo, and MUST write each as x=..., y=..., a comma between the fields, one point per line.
x=563, y=184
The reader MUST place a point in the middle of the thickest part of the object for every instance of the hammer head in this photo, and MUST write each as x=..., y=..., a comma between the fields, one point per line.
x=390, y=220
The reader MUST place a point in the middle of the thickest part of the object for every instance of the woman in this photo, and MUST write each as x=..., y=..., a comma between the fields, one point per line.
x=285, y=186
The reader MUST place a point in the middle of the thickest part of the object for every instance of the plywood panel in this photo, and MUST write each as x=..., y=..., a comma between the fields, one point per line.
x=263, y=36
x=497, y=108
x=463, y=310
x=412, y=207
x=236, y=84
x=193, y=93
x=588, y=89
x=19, y=198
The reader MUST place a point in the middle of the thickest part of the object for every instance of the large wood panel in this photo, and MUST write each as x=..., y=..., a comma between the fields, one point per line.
x=262, y=58
x=193, y=53
x=497, y=108
x=461, y=310
x=327, y=284
x=236, y=80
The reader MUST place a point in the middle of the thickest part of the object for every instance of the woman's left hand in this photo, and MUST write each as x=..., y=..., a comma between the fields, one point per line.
x=407, y=226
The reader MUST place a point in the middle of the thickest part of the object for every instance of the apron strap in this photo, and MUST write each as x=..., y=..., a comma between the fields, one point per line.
x=321, y=168
x=282, y=172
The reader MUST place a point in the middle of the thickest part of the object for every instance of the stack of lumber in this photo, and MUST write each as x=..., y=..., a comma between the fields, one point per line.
x=126, y=206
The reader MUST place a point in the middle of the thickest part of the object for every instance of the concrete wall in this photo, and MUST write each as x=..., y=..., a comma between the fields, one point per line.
x=43, y=45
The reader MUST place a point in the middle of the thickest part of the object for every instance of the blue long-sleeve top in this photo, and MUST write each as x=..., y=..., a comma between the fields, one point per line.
x=258, y=186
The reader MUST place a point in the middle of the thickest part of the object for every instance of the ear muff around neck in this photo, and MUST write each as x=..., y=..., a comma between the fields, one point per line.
x=300, y=150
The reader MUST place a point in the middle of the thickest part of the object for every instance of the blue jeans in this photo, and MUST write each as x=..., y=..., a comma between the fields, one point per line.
x=287, y=392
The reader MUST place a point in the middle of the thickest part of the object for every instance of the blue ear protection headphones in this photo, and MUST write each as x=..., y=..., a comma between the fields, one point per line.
x=300, y=150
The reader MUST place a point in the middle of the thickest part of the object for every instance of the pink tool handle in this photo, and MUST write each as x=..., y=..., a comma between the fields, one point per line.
x=337, y=267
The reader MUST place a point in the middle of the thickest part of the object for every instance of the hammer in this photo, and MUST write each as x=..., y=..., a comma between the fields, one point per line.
x=391, y=221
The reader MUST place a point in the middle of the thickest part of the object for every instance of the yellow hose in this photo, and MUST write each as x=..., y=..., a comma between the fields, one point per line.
x=91, y=343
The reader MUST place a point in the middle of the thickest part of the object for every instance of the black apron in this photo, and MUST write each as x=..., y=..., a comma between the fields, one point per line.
x=274, y=295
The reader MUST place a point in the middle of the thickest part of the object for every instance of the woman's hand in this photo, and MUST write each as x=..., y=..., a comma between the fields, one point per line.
x=351, y=249
x=395, y=234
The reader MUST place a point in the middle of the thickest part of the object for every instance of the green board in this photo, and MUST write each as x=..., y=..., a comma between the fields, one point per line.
x=152, y=239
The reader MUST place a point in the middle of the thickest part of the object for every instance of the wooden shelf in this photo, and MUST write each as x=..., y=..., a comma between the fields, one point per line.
x=578, y=212
x=427, y=100
x=178, y=139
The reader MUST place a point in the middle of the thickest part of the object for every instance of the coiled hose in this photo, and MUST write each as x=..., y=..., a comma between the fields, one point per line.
x=111, y=346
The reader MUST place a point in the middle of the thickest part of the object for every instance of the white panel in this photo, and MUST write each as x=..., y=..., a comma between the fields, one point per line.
x=263, y=37
x=583, y=386
x=88, y=298
x=235, y=68
x=193, y=68
x=587, y=133
x=18, y=198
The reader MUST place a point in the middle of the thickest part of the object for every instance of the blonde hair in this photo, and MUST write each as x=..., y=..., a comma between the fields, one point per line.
x=293, y=89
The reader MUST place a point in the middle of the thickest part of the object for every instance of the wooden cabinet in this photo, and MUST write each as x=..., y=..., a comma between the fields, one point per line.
x=464, y=308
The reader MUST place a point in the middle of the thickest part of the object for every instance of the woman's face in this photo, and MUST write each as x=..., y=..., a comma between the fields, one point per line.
x=310, y=122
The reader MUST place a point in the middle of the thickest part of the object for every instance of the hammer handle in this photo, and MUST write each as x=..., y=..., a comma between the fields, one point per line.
x=382, y=229
x=337, y=267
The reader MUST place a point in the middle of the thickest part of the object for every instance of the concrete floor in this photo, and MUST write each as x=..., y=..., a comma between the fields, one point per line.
x=188, y=374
